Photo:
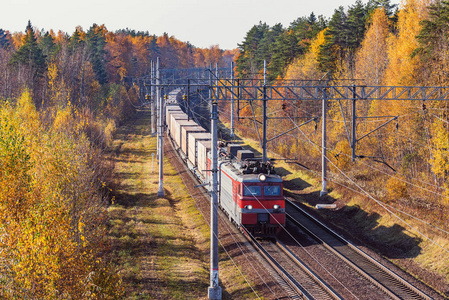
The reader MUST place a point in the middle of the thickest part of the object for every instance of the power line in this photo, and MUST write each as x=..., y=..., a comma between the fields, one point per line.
x=379, y=202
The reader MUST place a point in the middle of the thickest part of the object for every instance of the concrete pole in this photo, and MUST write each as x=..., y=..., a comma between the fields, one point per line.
x=214, y=290
x=265, y=119
x=323, y=147
x=354, y=120
x=160, y=192
x=153, y=100
x=156, y=102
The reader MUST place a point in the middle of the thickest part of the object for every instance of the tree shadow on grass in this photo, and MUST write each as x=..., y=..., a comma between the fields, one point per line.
x=363, y=228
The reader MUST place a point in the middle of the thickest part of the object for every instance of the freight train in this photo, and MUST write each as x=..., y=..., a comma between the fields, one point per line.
x=250, y=191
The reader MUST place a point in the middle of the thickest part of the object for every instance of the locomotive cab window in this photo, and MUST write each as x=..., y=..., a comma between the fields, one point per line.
x=252, y=190
x=272, y=190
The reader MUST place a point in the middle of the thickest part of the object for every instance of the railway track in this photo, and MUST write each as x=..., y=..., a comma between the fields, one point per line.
x=303, y=282
x=383, y=278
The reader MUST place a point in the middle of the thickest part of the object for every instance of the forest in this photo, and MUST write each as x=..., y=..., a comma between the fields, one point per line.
x=63, y=95
x=404, y=163
x=61, y=98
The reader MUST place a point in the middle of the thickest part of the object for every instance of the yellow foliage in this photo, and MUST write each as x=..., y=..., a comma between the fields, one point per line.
x=372, y=57
x=64, y=119
x=306, y=67
x=402, y=66
x=396, y=188
x=342, y=155
x=51, y=212
x=440, y=152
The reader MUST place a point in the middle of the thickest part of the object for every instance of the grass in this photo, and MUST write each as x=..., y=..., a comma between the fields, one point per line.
x=161, y=245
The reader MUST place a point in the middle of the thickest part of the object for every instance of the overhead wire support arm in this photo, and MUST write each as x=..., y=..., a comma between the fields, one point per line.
x=296, y=127
x=265, y=119
x=378, y=127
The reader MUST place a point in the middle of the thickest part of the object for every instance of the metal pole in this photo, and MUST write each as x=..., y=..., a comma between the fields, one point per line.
x=153, y=100
x=238, y=99
x=160, y=192
x=214, y=290
x=323, y=146
x=216, y=79
x=265, y=120
x=354, y=117
x=188, y=99
x=232, y=100
x=152, y=163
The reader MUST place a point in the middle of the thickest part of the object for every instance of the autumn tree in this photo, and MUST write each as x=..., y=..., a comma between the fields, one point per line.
x=293, y=43
x=402, y=64
x=372, y=58
x=307, y=66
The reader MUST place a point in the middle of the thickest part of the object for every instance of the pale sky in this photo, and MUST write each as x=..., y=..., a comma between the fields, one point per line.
x=203, y=23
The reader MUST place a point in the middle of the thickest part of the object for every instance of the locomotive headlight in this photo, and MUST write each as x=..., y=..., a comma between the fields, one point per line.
x=249, y=207
x=262, y=177
x=276, y=207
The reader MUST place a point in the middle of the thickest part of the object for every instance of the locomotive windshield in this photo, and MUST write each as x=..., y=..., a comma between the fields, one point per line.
x=256, y=190
x=272, y=190
x=252, y=190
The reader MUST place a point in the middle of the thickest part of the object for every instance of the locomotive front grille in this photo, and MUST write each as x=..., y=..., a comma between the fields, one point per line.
x=263, y=230
x=263, y=218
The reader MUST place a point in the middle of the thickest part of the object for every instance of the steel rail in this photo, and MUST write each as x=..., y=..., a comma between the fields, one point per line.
x=308, y=285
x=385, y=279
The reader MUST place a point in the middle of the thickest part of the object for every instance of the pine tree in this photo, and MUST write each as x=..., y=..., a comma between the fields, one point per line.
x=250, y=61
x=343, y=38
x=48, y=46
x=4, y=40
x=30, y=54
x=356, y=28
x=294, y=43
x=372, y=5
x=76, y=40
x=333, y=51
x=434, y=43
x=96, y=41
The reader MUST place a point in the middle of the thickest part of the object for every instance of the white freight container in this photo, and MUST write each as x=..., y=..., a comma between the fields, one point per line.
x=171, y=125
x=192, y=144
x=169, y=110
x=185, y=132
x=203, y=148
x=177, y=126
x=175, y=114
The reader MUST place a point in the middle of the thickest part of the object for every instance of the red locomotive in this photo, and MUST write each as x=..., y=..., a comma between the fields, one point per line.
x=250, y=192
